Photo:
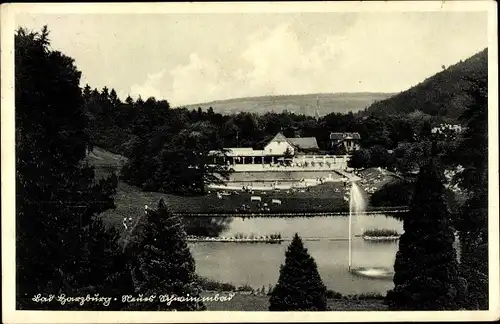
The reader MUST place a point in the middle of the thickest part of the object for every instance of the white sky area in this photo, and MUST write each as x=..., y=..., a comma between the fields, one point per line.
x=195, y=58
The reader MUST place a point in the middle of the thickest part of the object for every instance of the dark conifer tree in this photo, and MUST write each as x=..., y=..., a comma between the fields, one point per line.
x=426, y=268
x=161, y=262
x=299, y=286
x=87, y=92
x=129, y=100
x=56, y=194
x=113, y=97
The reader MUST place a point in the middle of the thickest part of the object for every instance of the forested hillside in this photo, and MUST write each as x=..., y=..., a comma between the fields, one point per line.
x=443, y=94
x=299, y=104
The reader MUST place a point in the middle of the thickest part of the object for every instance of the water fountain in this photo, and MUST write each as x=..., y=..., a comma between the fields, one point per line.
x=357, y=206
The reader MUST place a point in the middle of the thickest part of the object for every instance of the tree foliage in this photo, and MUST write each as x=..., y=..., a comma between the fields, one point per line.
x=60, y=244
x=397, y=193
x=161, y=262
x=299, y=286
x=180, y=163
x=472, y=154
x=426, y=268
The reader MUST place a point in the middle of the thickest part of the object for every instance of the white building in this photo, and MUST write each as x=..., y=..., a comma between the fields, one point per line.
x=272, y=152
x=278, y=146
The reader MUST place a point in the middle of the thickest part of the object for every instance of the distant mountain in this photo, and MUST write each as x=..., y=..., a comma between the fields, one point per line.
x=442, y=94
x=298, y=104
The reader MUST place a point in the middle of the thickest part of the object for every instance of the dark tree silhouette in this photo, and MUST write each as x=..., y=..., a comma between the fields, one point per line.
x=57, y=198
x=299, y=286
x=161, y=262
x=472, y=154
x=360, y=159
x=426, y=268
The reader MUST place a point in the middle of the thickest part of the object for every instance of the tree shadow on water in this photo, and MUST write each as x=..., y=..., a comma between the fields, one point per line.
x=206, y=226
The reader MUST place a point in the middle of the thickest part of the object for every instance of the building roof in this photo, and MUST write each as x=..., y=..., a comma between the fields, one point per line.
x=304, y=143
x=245, y=152
x=279, y=137
x=239, y=151
x=341, y=136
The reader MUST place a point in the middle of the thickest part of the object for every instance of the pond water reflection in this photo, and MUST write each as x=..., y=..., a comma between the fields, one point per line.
x=258, y=264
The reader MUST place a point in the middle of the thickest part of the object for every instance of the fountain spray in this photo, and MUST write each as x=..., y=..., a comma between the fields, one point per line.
x=356, y=205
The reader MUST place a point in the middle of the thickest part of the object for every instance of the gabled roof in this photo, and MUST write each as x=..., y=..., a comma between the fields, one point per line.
x=304, y=143
x=279, y=137
x=341, y=136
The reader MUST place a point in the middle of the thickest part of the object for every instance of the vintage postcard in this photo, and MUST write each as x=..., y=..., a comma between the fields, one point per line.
x=250, y=162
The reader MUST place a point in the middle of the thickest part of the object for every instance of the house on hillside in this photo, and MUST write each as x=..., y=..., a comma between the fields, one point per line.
x=350, y=141
x=275, y=150
x=280, y=144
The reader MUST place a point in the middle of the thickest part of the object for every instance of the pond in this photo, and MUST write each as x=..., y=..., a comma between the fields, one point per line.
x=326, y=239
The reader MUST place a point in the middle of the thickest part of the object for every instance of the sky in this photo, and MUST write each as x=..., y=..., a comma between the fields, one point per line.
x=195, y=58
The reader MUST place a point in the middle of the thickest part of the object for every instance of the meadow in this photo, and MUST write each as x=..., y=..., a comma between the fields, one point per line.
x=251, y=302
x=130, y=200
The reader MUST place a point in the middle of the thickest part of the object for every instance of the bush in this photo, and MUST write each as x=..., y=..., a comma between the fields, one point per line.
x=364, y=296
x=244, y=287
x=378, y=232
x=359, y=159
x=397, y=193
x=330, y=294
x=213, y=285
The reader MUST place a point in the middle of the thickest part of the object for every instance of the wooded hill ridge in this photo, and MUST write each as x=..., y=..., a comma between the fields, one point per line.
x=443, y=94
x=303, y=104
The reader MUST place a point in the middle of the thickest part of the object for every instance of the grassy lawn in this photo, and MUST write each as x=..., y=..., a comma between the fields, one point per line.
x=244, y=302
x=374, y=179
x=130, y=200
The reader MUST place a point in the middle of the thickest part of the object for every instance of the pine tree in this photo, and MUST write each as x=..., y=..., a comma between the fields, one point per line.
x=56, y=194
x=426, y=269
x=87, y=92
x=113, y=97
x=129, y=100
x=161, y=262
x=299, y=286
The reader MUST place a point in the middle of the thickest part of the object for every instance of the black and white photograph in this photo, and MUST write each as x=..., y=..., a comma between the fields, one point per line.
x=192, y=161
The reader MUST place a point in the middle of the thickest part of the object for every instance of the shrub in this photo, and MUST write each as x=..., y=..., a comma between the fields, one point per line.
x=380, y=232
x=397, y=193
x=330, y=294
x=209, y=284
x=244, y=287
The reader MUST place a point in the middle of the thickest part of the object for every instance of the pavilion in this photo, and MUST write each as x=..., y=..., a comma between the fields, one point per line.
x=274, y=151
